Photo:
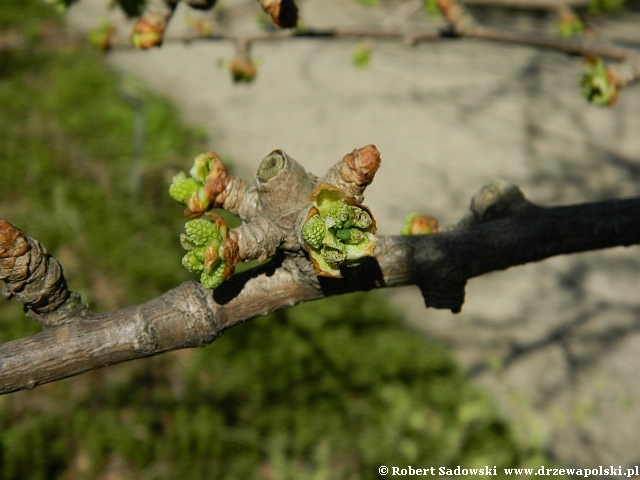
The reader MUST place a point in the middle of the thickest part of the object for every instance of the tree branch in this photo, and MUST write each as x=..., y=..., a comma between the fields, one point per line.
x=497, y=235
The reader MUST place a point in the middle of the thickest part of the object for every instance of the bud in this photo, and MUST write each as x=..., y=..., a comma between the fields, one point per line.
x=338, y=231
x=146, y=35
x=570, y=25
x=200, y=168
x=102, y=37
x=419, y=224
x=210, y=250
x=204, y=190
x=182, y=187
x=242, y=70
x=362, y=55
x=597, y=86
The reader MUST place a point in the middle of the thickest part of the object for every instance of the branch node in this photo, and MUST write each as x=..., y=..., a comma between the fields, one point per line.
x=496, y=199
x=35, y=278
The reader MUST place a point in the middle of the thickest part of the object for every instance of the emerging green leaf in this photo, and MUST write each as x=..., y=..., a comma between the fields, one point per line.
x=596, y=84
x=182, y=187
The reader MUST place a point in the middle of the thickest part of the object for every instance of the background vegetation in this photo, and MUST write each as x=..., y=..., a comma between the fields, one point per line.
x=327, y=390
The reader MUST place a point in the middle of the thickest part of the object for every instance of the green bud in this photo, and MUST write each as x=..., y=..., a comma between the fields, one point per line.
x=200, y=231
x=350, y=236
x=356, y=253
x=101, y=37
x=340, y=233
x=343, y=234
x=205, y=241
x=419, y=224
x=186, y=243
x=198, y=253
x=335, y=214
x=359, y=218
x=200, y=168
x=570, y=26
x=596, y=85
x=333, y=256
x=362, y=55
x=191, y=262
x=212, y=255
x=330, y=240
x=182, y=187
x=314, y=231
x=198, y=202
x=214, y=278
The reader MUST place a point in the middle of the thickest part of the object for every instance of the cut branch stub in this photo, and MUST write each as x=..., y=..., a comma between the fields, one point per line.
x=284, y=188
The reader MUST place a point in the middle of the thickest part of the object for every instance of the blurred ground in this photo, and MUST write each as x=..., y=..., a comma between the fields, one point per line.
x=556, y=342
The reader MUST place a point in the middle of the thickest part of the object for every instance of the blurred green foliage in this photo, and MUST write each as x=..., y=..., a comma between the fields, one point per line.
x=361, y=55
x=369, y=3
x=326, y=390
x=597, y=6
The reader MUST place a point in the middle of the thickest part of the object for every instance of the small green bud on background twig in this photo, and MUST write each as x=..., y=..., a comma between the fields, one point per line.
x=102, y=36
x=147, y=34
x=201, y=26
x=337, y=231
x=431, y=8
x=419, y=224
x=569, y=24
x=597, y=86
x=243, y=70
x=362, y=55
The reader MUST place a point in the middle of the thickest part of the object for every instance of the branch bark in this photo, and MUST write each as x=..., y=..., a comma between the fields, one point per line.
x=500, y=235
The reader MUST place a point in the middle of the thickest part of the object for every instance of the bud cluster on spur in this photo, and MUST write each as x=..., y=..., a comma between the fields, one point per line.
x=287, y=210
x=338, y=231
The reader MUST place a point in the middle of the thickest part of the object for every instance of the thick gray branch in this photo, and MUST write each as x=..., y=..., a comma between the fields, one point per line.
x=440, y=264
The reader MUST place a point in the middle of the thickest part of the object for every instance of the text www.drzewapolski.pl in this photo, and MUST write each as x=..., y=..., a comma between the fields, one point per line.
x=527, y=472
